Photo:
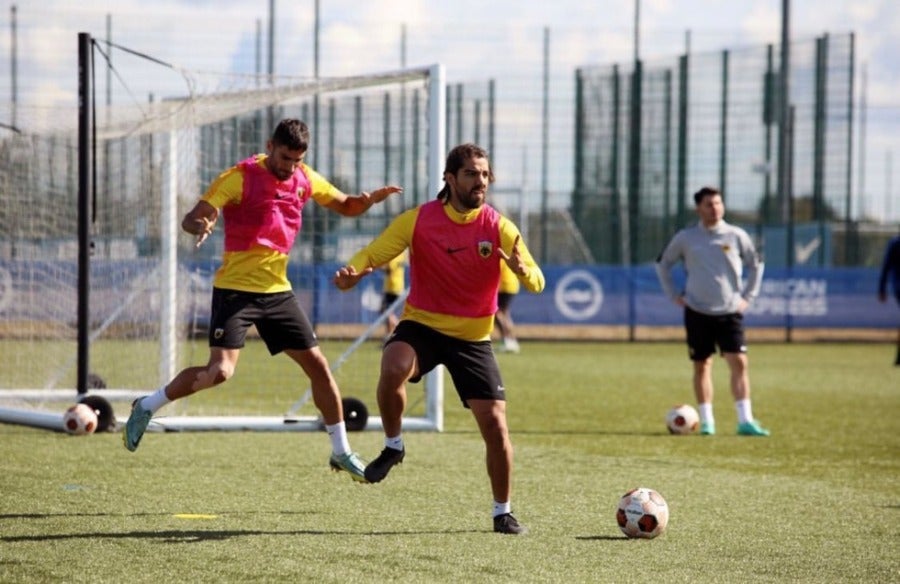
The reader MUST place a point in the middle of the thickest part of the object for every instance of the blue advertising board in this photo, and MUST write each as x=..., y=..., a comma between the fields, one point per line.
x=606, y=295
x=800, y=297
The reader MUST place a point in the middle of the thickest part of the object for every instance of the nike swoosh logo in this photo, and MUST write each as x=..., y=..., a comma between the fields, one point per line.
x=804, y=252
x=455, y=249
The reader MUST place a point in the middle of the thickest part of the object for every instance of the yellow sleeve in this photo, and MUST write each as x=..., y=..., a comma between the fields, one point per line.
x=509, y=280
x=323, y=192
x=396, y=237
x=533, y=281
x=227, y=188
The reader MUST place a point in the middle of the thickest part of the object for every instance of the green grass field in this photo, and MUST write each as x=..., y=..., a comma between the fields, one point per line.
x=818, y=501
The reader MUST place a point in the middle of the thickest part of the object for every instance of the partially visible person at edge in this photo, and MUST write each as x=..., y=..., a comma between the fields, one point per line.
x=456, y=243
x=394, y=285
x=716, y=257
x=506, y=326
x=261, y=199
x=891, y=266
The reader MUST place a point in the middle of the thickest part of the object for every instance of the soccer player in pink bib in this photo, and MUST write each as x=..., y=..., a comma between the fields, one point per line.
x=456, y=244
x=261, y=200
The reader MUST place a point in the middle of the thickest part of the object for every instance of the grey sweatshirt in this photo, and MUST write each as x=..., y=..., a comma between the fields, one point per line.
x=715, y=260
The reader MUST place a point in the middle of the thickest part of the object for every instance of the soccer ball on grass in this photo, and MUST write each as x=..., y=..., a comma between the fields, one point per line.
x=642, y=513
x=80, y=419
x=682, y=419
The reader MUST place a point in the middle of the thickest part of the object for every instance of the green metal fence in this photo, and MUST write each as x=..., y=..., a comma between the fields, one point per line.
x=648, y=135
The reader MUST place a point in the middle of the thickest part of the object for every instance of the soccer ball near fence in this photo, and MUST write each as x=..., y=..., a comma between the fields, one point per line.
x=642, y=513
x=80, y=419
x=682, y=419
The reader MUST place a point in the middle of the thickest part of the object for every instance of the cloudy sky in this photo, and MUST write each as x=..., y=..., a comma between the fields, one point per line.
x=474, y=40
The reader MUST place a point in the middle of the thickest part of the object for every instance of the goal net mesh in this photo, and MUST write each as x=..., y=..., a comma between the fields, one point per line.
x=150, y=286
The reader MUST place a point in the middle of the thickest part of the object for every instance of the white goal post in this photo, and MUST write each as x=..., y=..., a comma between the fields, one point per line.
x=149, y=288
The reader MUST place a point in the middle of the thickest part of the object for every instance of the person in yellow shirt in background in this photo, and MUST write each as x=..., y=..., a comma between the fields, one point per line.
x=509, y=287
x=394, y=285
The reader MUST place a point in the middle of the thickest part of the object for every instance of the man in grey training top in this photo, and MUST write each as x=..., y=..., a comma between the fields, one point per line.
x=723, y=276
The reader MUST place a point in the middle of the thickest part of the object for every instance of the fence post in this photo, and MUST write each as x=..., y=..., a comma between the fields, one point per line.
x=681, y=190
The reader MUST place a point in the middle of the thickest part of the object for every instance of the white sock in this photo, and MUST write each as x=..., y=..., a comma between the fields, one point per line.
x=155, y=400
x=338, y=435
x=502, y=508
x=744, y=411
x=396, y=442
x=706, y=412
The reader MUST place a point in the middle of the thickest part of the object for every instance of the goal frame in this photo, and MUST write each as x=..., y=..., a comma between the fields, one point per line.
x=434, y=381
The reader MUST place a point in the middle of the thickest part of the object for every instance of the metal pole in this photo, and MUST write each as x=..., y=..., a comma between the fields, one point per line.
x=404, y=122
x=84, y=207
x=861, y=179
x=634, y=164
x=851, y=236
x=632, y=223
x=13, y=63
x=783, y=113
x=723, y=128
x=492, y=110
x=637, y=30
x=579, y=195
x=667, y=148
x=617, y=244
x=386, y=139
x=258, y=68
x=768, y=120
x=316, y=27
x=789, y=317
x=261, y=130
x=271, y=42
x=318, y=213
x=819, y=143
x=681, y=189
x=270, y=121
x=545, y=136
x=109, y=62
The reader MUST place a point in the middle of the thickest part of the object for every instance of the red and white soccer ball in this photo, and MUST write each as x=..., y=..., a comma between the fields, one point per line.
x=642, y=513
x=80, y=419
x=682, y=419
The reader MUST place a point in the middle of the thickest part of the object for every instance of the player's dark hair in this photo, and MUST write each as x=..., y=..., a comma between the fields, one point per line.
x=291, y=133
x=705, y=192
x=456, y=159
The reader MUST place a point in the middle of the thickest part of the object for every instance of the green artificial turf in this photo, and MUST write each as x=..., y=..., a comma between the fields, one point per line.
x=818, y=501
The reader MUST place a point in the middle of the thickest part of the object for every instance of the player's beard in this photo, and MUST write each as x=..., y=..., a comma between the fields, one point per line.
x=473, y=199
x=279, y=173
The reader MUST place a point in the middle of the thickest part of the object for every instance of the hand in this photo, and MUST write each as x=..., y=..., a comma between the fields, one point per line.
x=680, y=301
x=200, y=221
x=347, y=277
x=205, y=227
x=378, y=195
x=742, y=305
x=514, y=259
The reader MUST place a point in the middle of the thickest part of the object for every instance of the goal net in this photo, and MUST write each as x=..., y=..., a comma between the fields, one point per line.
x=147, y=302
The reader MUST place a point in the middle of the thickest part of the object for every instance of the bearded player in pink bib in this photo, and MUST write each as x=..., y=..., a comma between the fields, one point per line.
x=261, y=200
x=456, y=244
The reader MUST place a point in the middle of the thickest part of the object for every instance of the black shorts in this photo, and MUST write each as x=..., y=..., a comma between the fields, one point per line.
x=471, y=364
x=387, y=299
x=705, y=331
x=504, y=299
x=278, y=317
